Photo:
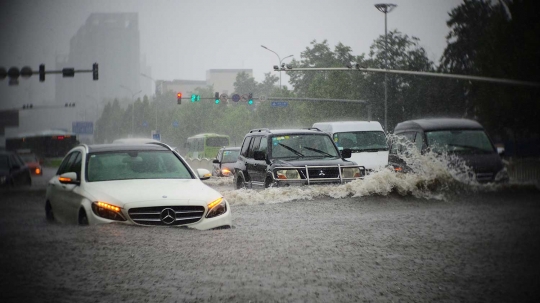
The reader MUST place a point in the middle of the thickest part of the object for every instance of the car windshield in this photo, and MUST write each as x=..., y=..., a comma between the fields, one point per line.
x=361, y=141
x=107, y=166
x=28, y=158
x=230, y=156
x=461, y=141
x=303, y=146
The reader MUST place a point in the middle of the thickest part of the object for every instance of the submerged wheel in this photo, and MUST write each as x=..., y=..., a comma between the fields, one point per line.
x=83, y=218
x=240, y=183
x=49, y=215
x=269, y=182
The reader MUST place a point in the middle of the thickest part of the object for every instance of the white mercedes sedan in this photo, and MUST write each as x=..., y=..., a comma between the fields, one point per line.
x=142, y=184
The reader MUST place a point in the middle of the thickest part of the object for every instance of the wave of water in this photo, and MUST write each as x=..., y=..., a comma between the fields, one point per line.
x=433, y=176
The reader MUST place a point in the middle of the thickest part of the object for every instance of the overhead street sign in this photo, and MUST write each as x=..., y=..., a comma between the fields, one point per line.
x=244, y=98
x=236, y=97
x=83, y=127
x=279, y=104
x=262, y=98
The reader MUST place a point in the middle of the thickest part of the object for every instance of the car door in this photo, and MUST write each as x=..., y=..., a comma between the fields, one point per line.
x=252, y=164
x=19, y=170
x=72, y=192
x=58, y=191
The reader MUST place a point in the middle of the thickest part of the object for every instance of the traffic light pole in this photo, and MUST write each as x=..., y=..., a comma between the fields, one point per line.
x=26, y=72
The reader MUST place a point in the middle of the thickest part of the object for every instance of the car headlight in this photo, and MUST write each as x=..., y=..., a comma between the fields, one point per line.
x=351, y=172
x=216, y=208
x=226, y=172
x=107, y=211
x=502, y=175
x=285, y=174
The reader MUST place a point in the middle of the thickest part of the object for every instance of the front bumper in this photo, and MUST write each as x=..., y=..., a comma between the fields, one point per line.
x=201, y=223
x=312, y=174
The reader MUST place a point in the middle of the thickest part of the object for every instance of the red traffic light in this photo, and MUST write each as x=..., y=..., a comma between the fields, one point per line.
x=179, y=98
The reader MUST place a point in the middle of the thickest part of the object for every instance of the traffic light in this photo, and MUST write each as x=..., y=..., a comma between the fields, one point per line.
x=28, y=106
x=95, y=71
x=179, y=98
x=216, y=97
x=250, y=99
x=70, y=105
x=195, y=98
x=41, y=72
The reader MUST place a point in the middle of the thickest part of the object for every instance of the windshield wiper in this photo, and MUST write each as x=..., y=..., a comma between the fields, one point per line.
x=318, y=151
x=293, y=150
x=469, y=147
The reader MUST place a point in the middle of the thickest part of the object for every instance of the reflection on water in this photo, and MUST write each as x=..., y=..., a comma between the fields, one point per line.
x=434, y=176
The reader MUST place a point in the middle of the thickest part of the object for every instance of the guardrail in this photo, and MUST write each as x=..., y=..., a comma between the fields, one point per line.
x=526, y=170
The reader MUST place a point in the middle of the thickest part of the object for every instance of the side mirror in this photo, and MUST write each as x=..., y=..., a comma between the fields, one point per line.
x=204, y=174
x=69, y=178
x=500, y=150
x=259, y=155
x=346, y=153
x=215, y=161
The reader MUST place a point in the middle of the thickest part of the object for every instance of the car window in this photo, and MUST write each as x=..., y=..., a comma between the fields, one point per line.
x=76, y=165
x=462, y=141
x=245, y=146
x=419, y=141
x=107, y=166
x=230, y=156
x=263, y=146
x=28, y=158
x=254, y=146
x=66, y=163
x=17, y=160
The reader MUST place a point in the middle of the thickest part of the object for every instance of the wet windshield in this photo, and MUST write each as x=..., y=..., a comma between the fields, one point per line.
x=461, y=141
x=361, y=141
x=303, y=146
x=135, y=165
x=28, y=158
x=230, y=156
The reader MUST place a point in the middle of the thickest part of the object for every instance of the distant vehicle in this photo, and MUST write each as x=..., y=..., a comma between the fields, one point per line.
x=271, y=158
x=365, y=139
x=32, y=161
x=13, y=171
x=142, y=184
x=205, y=145
x=44, y=144
x=463, y=138
x=223, y=164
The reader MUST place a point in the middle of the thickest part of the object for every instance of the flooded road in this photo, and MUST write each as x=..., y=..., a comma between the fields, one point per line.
x=291, y=244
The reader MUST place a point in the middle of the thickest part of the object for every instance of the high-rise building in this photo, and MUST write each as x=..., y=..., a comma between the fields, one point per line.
x=112, y=40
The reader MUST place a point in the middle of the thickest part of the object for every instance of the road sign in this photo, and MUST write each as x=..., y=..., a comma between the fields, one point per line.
x=262, y=98
x=223, y=98
x=175, y=124
x=244, y=98
x=156, y=135
x=82, y=127
x=280, y=104
x=236, y=97
x=145, y=124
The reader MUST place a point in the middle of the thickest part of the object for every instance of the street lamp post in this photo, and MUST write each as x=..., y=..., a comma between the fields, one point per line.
x=385, y=8
x=279, y=63
x=146, y=76
x=133, y=104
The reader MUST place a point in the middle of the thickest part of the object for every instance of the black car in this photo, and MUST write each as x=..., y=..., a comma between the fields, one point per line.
x=13, y=171
x=270, y=158
x=223, y=164
x=463, y=138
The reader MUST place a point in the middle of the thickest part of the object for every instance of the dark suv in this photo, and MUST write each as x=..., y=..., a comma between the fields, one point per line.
x=465, y=139
x=270, y=158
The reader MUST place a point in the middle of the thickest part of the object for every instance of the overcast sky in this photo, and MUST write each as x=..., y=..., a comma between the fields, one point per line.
x=182, y=39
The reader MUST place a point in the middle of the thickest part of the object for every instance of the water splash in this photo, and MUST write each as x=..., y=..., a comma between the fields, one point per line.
x=431, y=176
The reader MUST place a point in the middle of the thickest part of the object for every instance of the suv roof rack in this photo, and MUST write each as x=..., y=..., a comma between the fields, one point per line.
x=314, y=128
x=259, y=130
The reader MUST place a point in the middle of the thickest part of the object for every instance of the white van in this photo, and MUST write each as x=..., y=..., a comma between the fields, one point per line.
x=366, y=139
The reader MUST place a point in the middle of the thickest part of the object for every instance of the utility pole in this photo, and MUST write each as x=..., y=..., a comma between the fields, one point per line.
x=385, y=8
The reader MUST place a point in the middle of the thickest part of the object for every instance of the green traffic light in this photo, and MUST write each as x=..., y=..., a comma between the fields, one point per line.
x=250, y=102
x=217, y=101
